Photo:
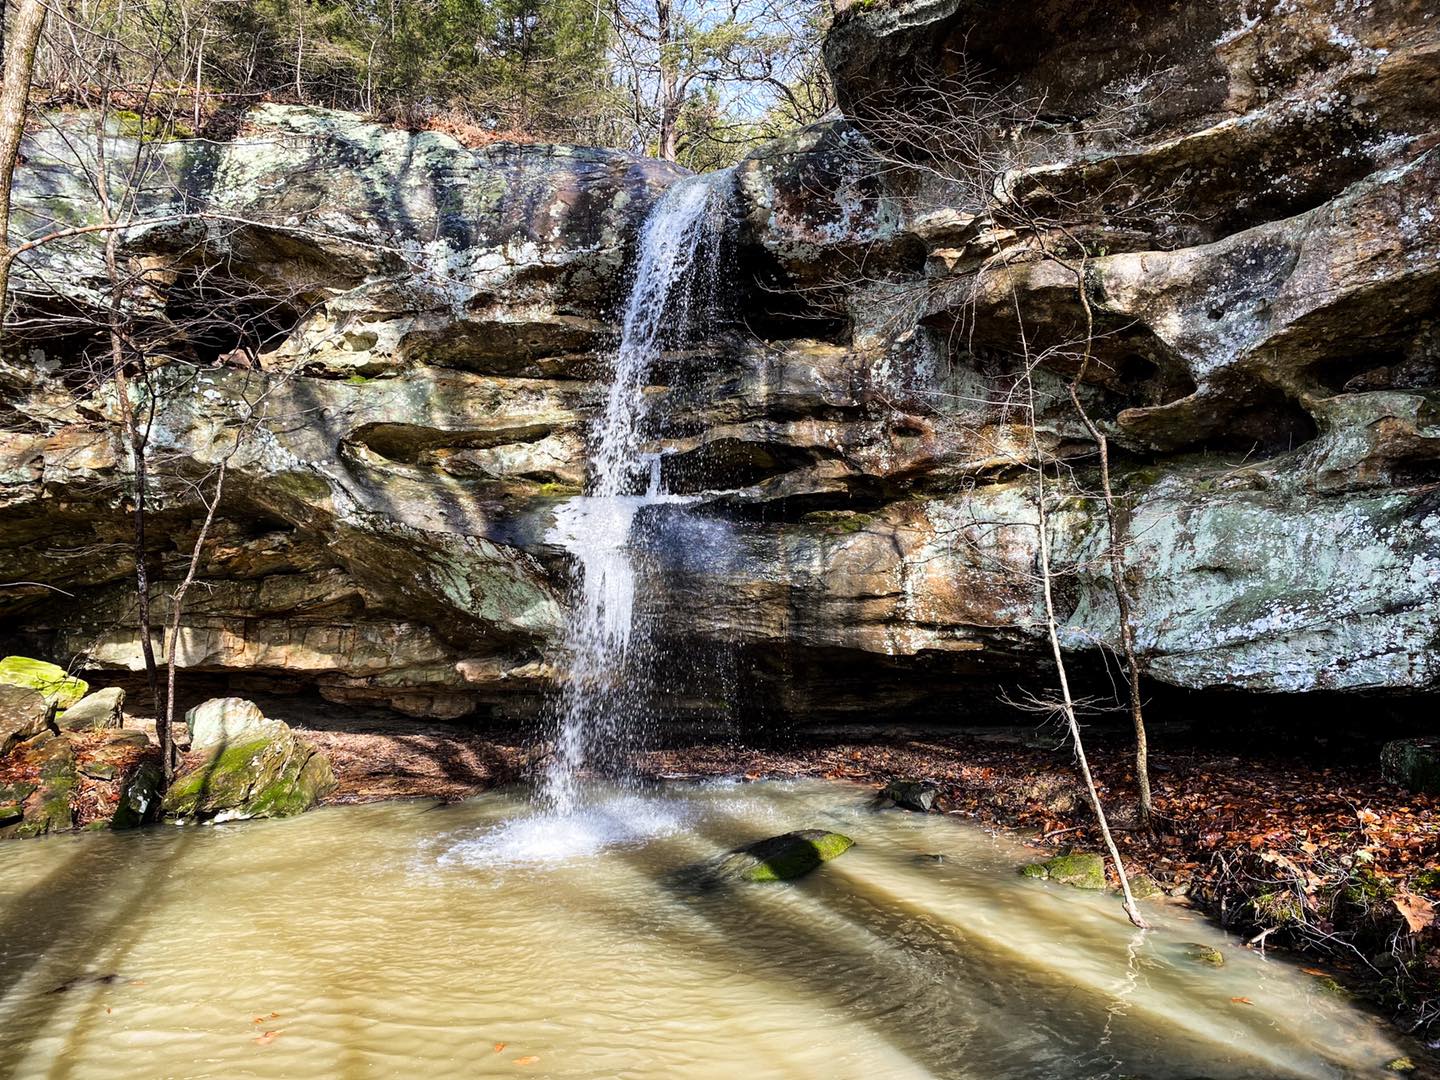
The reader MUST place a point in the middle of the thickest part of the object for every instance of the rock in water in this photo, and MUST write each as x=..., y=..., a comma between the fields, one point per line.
x=53, y=684
x=229, y=721
x=914, y=795
x=1413, y=764
x=1082, y=869
x=24, y=713
x=782, y=858
x=248, y=766
x=102, y=709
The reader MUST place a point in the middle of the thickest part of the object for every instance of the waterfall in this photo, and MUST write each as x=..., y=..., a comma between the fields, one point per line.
x=598, y=707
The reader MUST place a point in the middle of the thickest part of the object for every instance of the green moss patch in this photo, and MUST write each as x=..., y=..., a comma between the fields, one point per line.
x=785, y=857
x=58, y=688
x=1081, y=869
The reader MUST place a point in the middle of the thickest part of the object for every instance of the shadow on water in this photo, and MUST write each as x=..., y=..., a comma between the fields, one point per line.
x=811, y=937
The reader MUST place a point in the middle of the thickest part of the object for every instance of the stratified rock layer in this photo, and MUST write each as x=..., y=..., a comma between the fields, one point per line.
x=1256, y=246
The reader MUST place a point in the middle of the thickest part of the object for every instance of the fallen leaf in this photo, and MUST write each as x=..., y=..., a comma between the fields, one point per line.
x=1316, y=972
x=1242, y=1001
x=528, y=1059
x=267, y=1038
x=499, y=1047
x=1416, y=910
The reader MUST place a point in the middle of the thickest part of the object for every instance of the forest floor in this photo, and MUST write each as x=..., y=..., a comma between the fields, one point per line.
x=1311, y=853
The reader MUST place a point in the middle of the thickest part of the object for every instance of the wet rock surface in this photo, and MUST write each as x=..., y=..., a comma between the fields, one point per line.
x=1259, y=259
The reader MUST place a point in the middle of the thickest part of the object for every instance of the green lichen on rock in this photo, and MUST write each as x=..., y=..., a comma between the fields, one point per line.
x=52, y=809
x=785, y=857
x=1081, y=869
x=1400, y=1065
x=54, y=685
x=277, y=776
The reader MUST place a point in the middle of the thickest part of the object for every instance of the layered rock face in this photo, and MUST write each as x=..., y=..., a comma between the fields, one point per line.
x=1224, y=213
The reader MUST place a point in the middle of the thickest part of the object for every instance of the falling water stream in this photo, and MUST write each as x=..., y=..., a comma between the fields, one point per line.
x=597, y=707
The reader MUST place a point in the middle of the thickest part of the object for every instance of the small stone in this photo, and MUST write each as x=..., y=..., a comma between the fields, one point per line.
x=916, y=795
x=54, y=685
x=102, y=709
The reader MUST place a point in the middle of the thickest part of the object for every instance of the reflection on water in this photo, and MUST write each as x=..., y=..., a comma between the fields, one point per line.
x=409, y=940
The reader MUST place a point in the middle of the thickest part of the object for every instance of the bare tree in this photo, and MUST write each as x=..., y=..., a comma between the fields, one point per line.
x=20, y=47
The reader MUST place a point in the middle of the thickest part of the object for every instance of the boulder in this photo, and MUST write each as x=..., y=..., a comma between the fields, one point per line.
x=102, y=709
x=229, y=721
x=58, y=688
x=51, y=807
x=265, y=770
x=1205, y=954
x=1082, y=869
x=24, y=713
x=782, y=858
x=140, y=796
x=1413, y=764
x=917, y=795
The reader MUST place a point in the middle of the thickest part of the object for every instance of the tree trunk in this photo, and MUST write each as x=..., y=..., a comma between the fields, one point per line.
x=14, y=97
x=668, y=91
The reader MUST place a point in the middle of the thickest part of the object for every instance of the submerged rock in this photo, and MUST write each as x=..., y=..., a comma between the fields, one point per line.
x=917, y=795
x=24, y=713
x=1205, y=954
x=264, y=770
x=1082, y=869
x=783, y=858
x=102, y=709
x=50, y=680
x=1413, y=764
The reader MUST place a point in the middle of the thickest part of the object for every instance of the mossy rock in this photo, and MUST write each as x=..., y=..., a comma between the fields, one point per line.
x=1144, y=887
x=785, y=857
x=1277, y=908
x=279, y=776
x=1080, y=869
x=1400, y=1065
x=54, y=685
x=52, y=807
x=1205, y=954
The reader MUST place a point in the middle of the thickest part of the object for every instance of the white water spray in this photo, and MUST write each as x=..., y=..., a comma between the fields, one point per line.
x=598, y=709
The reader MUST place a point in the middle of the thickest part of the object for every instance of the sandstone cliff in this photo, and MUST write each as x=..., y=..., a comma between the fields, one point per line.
x=1253, y=190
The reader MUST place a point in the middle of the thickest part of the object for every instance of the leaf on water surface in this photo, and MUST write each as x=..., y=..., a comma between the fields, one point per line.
x=1417, y=911
x=1316, y=972
x=1242, y=1001
x=500, y=1047
x=528, y=1059
x=267, y=1038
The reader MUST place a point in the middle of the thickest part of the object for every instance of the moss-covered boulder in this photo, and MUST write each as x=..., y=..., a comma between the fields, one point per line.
x=54, y=685
x=785, y=857
x=916, y=795
x=24, y=713
x=102, y=709
x=275, y=775
x=1413, y=764
x=50, y=808
x=1082, y=869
